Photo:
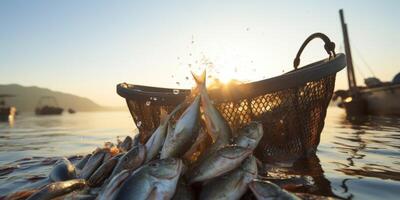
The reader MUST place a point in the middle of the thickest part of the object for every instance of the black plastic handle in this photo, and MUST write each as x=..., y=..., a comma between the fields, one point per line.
x=329, y=47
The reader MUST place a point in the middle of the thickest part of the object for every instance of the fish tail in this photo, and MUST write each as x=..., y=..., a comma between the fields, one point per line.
x=200, y=80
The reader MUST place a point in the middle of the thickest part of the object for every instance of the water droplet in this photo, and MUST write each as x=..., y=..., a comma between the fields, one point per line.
x=247, y=29
x=190, y=65
x=178, y=83
x=148, y=103
x=175, y=91
x=187, y=78
x=139, y=124
x=154, y=98
x=178, y=58
x=190, y=54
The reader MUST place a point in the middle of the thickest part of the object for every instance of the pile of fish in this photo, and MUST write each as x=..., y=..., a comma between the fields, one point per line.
x=195, y=157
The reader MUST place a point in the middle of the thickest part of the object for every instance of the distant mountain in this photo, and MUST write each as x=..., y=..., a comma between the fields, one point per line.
x=27, y=98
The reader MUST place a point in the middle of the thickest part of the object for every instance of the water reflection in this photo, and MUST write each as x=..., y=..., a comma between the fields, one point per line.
x=357, y=158
x=362, y=161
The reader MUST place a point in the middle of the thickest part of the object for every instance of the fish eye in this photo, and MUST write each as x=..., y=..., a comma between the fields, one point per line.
x=153, y=164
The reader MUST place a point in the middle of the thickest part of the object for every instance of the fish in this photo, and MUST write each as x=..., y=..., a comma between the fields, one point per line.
x=155, y=143
x=198, y=147
x=57, y=189
x=136, y=140
x=131, y=160
x=126, y=144
x=250, y=135
x=264, y=190
x=221, y=162
x=107, y=157
x=155, y=180
x=62, y=171
x=313, y=196
x=185, y=132
x=20, y=195
x=232, y=185
x=77, y=196
x=102, y=173
x=92, y=164
x=83, y=162
x=293, y=183
x=112, y=188
x=183, y=191
x=216, y=125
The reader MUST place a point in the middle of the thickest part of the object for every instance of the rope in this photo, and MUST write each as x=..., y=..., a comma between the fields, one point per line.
x=363, y=60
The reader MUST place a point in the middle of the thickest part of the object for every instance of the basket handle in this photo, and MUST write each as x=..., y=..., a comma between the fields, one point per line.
x=329, y=47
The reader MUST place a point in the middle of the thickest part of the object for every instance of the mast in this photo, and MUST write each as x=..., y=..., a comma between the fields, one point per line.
x=350, y=69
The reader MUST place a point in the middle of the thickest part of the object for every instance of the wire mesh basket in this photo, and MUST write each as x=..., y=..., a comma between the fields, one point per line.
x=292, y=107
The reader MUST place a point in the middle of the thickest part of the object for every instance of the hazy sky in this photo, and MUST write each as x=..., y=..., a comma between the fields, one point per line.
x=87, y=47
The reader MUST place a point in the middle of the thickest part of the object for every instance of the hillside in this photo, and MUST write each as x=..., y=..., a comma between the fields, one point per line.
x=26, y=98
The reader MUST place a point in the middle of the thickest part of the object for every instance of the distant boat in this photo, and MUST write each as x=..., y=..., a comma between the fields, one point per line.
x=6, y=112
x=377, y=98
x=71, y=111
x=45, y=109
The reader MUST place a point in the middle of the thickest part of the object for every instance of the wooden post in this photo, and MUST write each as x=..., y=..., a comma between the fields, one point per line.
x=350, y=70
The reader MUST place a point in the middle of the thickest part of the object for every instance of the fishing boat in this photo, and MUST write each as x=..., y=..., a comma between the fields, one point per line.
x=48, y=109
x=6, y=112
x=71, y=111
x=376, y=98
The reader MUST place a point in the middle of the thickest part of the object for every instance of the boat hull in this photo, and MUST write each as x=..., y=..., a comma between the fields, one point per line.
x=382, y=100
x=47, y=110
x=7, y=113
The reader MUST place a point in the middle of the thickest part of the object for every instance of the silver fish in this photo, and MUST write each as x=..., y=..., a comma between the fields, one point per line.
x=92, y=164
x=250, y=135
x=221, y=162
x=112, y=188
x=199, y=146
x=157, y=139
x=155, y=180
x=83, y=162
x=131, y=160
x=102, y=173
x=216, y=124
x=185, y=133
x=136, y=140
x=57, y=189
x=232, y=185
x=183, y=191
x=126, y=144
x=265, y=190
x=62, y=171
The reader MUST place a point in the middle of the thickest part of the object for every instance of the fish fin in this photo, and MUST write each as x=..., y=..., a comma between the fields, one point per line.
x=170, y=129
x=152, y=194
x=200, y=84
x=200, y=80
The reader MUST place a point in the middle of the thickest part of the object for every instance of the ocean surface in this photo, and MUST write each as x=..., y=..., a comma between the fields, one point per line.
x=356, y=158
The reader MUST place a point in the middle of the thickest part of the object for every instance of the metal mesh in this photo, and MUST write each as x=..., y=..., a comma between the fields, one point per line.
x=292, y=118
